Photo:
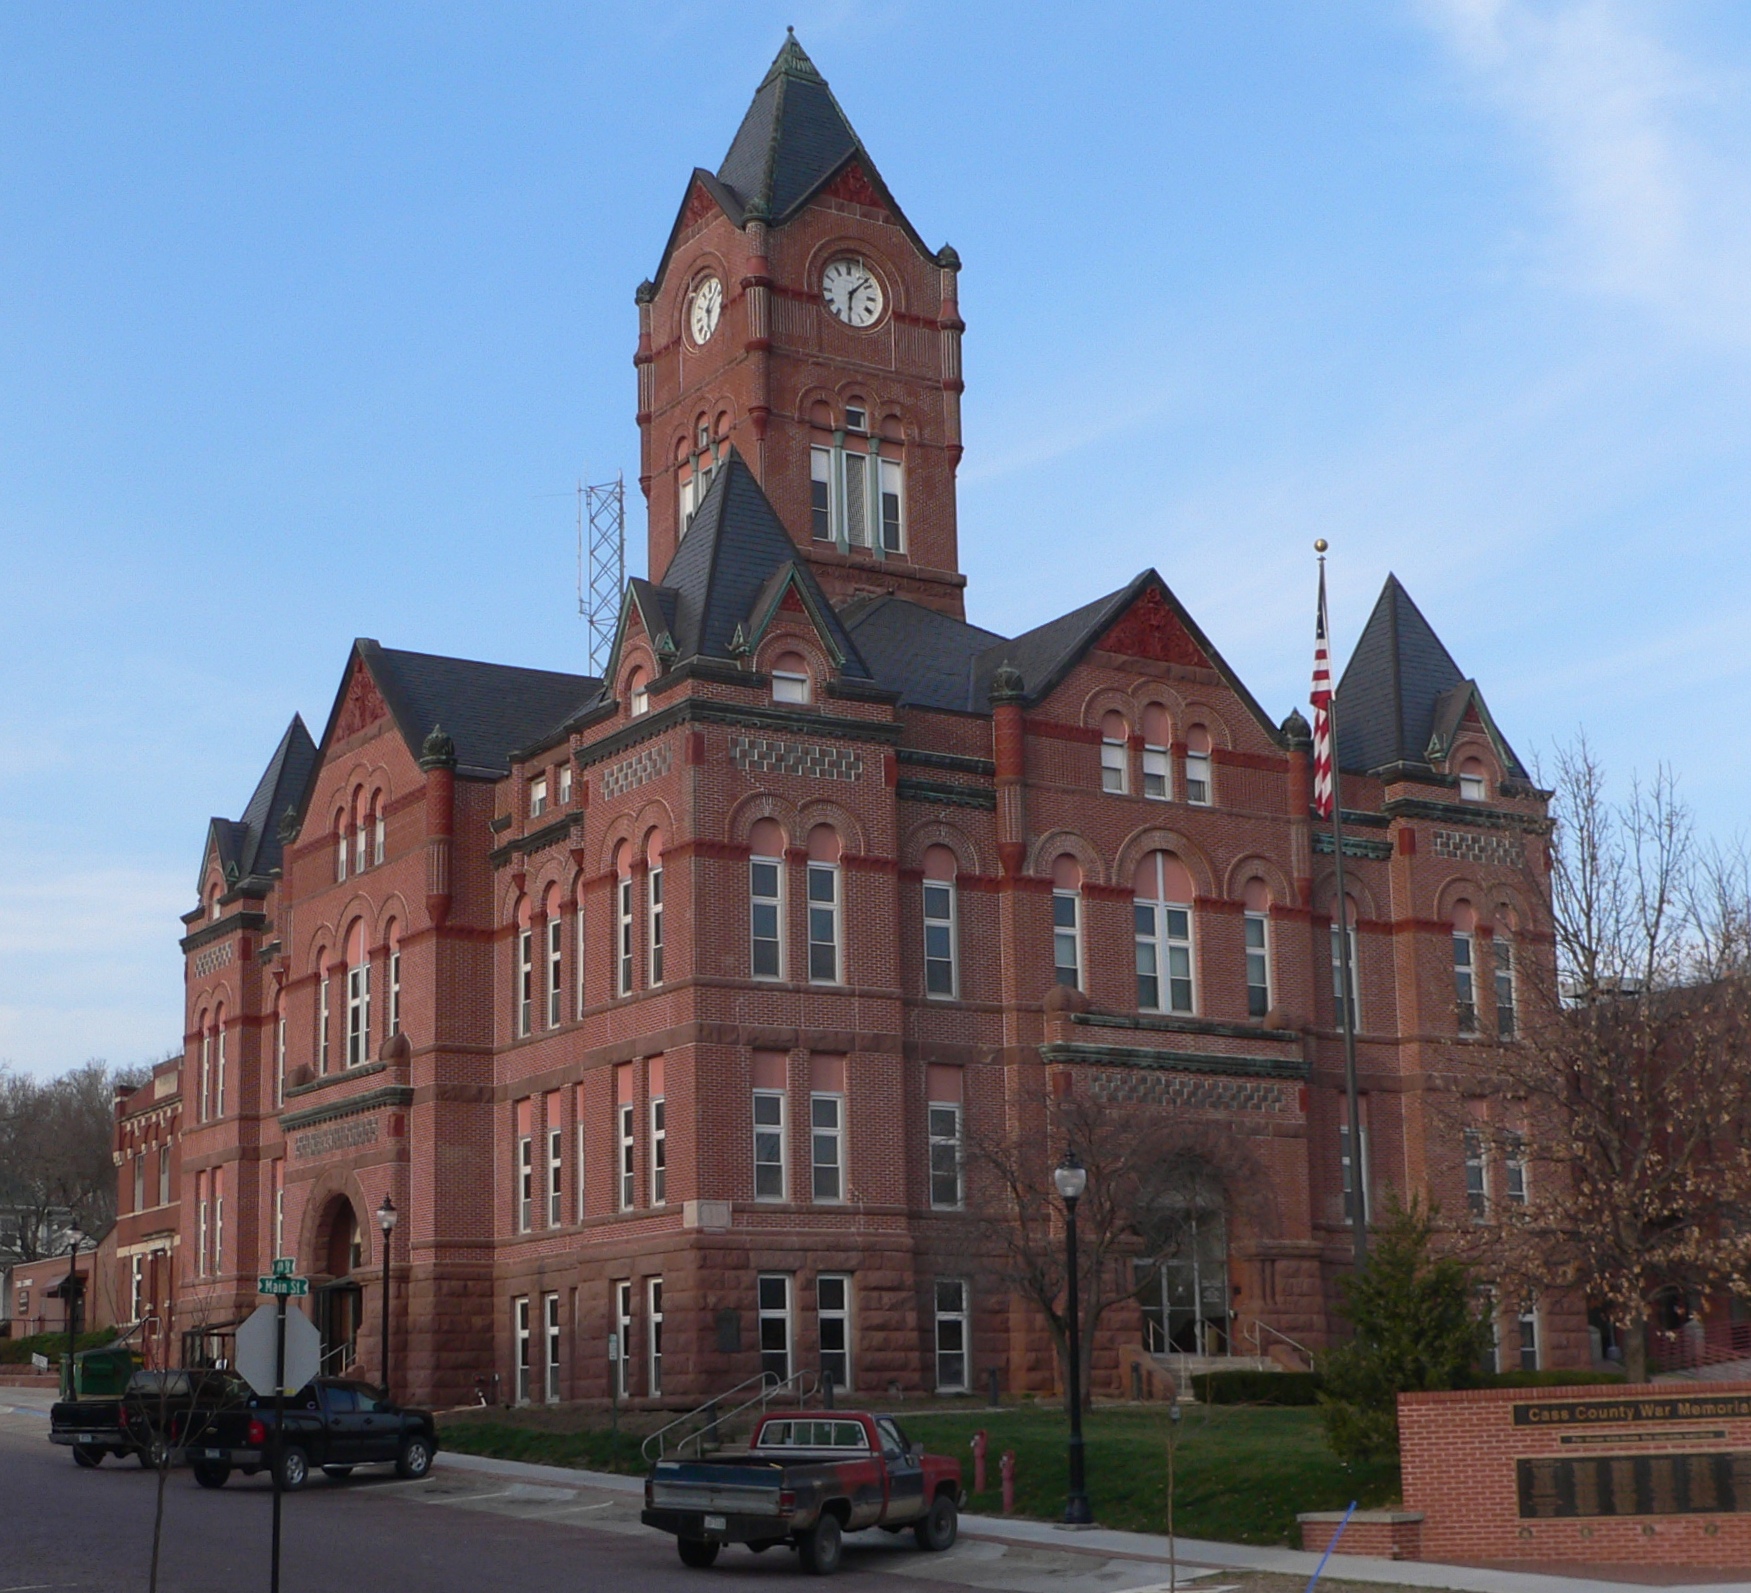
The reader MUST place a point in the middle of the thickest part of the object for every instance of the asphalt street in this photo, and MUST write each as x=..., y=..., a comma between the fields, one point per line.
x=63, y=1528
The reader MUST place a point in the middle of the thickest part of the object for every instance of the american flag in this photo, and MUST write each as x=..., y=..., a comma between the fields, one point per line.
x=1321, y=701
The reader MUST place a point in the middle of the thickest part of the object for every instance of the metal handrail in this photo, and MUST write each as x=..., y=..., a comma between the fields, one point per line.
x=1258, y=1343
x=770, y=1387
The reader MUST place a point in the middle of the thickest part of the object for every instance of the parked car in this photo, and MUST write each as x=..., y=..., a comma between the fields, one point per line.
x=329, y=1423
x=119, y=1410
x=806, y=1480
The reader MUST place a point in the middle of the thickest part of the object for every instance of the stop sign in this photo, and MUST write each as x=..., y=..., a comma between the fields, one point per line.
x=255, y=1349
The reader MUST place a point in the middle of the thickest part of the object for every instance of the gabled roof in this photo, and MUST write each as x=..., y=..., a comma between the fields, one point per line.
x=249, y=847
x=489, y=710
x=1402, y=696
x=928, y=657
x=734, y=550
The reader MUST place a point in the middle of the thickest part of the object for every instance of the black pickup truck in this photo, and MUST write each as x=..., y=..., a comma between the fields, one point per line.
x=151, y=1416
x=329, y=1423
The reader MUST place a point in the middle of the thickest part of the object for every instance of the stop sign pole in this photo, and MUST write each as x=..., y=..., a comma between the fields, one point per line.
x=281, y=1284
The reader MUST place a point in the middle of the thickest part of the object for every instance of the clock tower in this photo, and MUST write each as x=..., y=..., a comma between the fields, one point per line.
x=798, y=317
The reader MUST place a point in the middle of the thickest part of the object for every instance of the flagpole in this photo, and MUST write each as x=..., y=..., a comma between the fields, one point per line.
x=1346, y=976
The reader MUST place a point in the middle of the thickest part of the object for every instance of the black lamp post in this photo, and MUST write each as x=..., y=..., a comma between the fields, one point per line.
x=1071, y=1177
x=70, y=1293
x=386, y=1217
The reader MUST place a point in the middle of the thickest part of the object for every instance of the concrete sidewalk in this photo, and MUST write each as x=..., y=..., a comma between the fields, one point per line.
x=1192, y=1552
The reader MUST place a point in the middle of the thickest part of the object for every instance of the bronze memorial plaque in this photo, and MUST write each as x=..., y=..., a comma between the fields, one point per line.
x=1633, y=1485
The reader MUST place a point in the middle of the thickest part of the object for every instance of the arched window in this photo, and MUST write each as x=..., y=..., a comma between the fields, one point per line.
x=653, y=899
x=1257, y=896
x=555, y=944
x=279, y=1050
x=623, y=919
x=1162, y=919
x=378, y=829
x=1067, y=921
x=1502, y=953
x=941, y=925
x=790, y=678
x=1115, y=754
x=1157, y=754
x=203, y=1094
x=393, y=937
x=578, y=959
x=340, y=846
x=1199, y=789
x=523, y=997
x=638, y=691
x=766, y=900
x=1474, y=785
x=1340, y=945
x=361, y=832
x=324, y=1027
x=213, y=895
x=1465, y=967
x=219, y=1062
x=358, y=997
x=826, y=953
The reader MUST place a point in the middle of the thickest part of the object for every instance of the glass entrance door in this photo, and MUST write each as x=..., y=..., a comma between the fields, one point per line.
x=1185, y=1307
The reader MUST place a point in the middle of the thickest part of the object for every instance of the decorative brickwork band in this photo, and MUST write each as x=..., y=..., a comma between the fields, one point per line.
x=757, y=755
x=214, y=958
x=647, y=764
x=1504, y=851
x=343, y=1136
x=1192, y=1092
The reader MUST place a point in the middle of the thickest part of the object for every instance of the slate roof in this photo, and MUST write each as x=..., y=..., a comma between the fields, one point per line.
x=929, y=658
x=792, y=140
x=1401, y=690
x=732, y=551
x=490, y=710
x=251, y=845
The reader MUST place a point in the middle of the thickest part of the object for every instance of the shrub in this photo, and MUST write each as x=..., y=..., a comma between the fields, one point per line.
x=17, y=1352
x=1257, y=1388
x=1555, y=1379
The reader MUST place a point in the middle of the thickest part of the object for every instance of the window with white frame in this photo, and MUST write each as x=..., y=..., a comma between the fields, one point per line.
x=1163, y=934
x=203, y=1226
x=654, y=1336
x=555, y=988
x=768, y=1145
x=218, y=1220
x=578, y=944
x=790, y=678
x=323, y=1022
x=1349, y=1175
x=520, y=1327
x=340, y=853
x=1477, y=1191
x=1473, y=784
x=378, y=834
x=1514, y=1169
x=164, y=1175
x=1258, y=965
x=1157, y=774
x=219, y=1067
x=203, y=1097
x=280, y=1041
x=361, y=840
x=1067, y=938
x=945, y=1154
x=823, y=923
x=578, y=1164
x=765, y=913
x=772, y=1298
x=136, y=1288
x=842, y=483
x=1464, y=984
x=654, y=924
x=821, y=494
x=638, y=694
x=659, y=1153
x=1502, y=951
x=827, y=1146
x=537, y=796
x=1529, y=1359
x=951, y=1335
x=1200, y=790
x=279, y=1206
x=1337, y=976
x=525, y=980
x=565, y=783
x=358, y=1014
x=893, y=506
x=628, y=1183
x=940, y=939
x=395, y=987
x=139, y=1160
x=623, y=936
x=525, y=1179
x=1115, y=755
x=623, y=1327
x=550, y=1321
x=833, y=1318
x=555, y=1174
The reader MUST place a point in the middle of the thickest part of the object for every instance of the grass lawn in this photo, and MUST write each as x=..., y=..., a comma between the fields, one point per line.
x=1241, y=1472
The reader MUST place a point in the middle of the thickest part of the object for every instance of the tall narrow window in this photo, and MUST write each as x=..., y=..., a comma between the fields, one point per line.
x=1337, y=974
x=1199, y=788
x=1491, y=1359
x=1464, y=970
x=627, y=1160
x=219, y=1067
x=578, y=1164
x=555, y=932
x=1514, y=1169
x=1529, y=1360
x=280, y=1052
x=550, y=1321
x=638, y=694
x=1162, y=925
x=203, y=1225
x=164, y=1175
x=555, y=1164
x=525, y=1164
x=893, y=506
x=204, y=1095
x=361, y=834
x=340, y=850
x=941, y=933
x=279, y=1206
x=218, y=1220
x=1348, y=1167
x=654, y=1324
x=823, y=888
x=951, y=1335
x=765, y=910
x=1067, y=922
x=833, y=1316
x=520, y=1327
x=1477, y=1193
x=565, y=783
x=623, y=936
x=654, y=897
x=623, y=1327
x=139, y=1160
x=945, y=1155
x=659, y=1154
x=525, y=978
x=1115, y=754
x=856, y=499
x=1157, y=756
x=821, y=494
x=538, y=796
x=772, y=1295
x=1502, y=950
x=578, y=944
x=379, y=832
x=395, y=978
x=768, y=1145
x=827, y=1147
x=1258, y=965
x=323, y=1024
x=358, y=1011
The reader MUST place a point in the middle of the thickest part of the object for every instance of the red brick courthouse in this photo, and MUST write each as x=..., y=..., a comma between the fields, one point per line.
x=664, y=1004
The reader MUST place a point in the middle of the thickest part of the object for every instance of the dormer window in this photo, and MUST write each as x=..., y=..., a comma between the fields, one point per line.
x=638, y=693
x=537, y=797
x=1473, y=783
x=790, y=678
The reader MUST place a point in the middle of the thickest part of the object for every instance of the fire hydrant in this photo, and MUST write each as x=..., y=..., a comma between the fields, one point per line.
x=1007, y=1467
x=980, y=1441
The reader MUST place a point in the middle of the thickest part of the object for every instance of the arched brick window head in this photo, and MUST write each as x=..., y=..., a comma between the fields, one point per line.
x=638, y=691
x=1162, y=928
x=1465, y=966
x=825, y=916
x=623, y=917
x=1157, y=754
x=653, y=893
x=766, y=900
x=361, y=832
x=1257, y=896
x=790, y=678
x=1199, y=790
x=1115, y=754
x=358, y=996
x=340, y=845
x=941, y=927
x=394, y=939
x=1474, y=785
x=1067, y=921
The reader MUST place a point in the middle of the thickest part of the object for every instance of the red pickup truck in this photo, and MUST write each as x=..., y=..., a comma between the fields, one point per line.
x=806, y=1480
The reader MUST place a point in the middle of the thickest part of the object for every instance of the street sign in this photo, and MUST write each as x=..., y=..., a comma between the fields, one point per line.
x=255, y=1349
x=281, y=1285
x=285, y=1266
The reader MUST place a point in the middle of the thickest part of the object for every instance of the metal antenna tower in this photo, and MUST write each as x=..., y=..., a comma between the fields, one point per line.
x=601, y=563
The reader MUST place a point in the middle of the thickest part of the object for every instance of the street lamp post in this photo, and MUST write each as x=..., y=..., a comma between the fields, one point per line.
x=1071, y=1177
x=386, y=1218
x=70, y=1289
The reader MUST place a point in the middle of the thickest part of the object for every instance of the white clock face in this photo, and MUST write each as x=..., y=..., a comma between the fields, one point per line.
x=707, y=306
x=851, y=292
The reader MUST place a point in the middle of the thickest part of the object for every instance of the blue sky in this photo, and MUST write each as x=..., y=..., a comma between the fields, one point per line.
x=311, y=316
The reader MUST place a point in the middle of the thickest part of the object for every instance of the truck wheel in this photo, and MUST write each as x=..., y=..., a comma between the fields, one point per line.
x=339, y=1473
x=940, y=1526
x=294, y=1469
x=211, y=1473
x=153, y=1456
x=821, y=1546
x=700, y=1553
x=415, y=1459
x=87, y=1455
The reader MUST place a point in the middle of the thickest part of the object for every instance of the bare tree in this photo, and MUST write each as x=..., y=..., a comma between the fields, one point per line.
x=1631, y=1078
x=1152, y=1178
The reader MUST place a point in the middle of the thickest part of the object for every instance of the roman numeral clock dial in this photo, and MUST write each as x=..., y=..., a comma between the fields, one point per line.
x=704, y=310
x=851, y=292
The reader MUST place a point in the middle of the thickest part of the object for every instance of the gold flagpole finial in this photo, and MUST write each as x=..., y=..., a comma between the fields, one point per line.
x=1319, y=544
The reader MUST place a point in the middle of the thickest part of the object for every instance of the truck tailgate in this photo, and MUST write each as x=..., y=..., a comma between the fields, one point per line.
x=732, y=1490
